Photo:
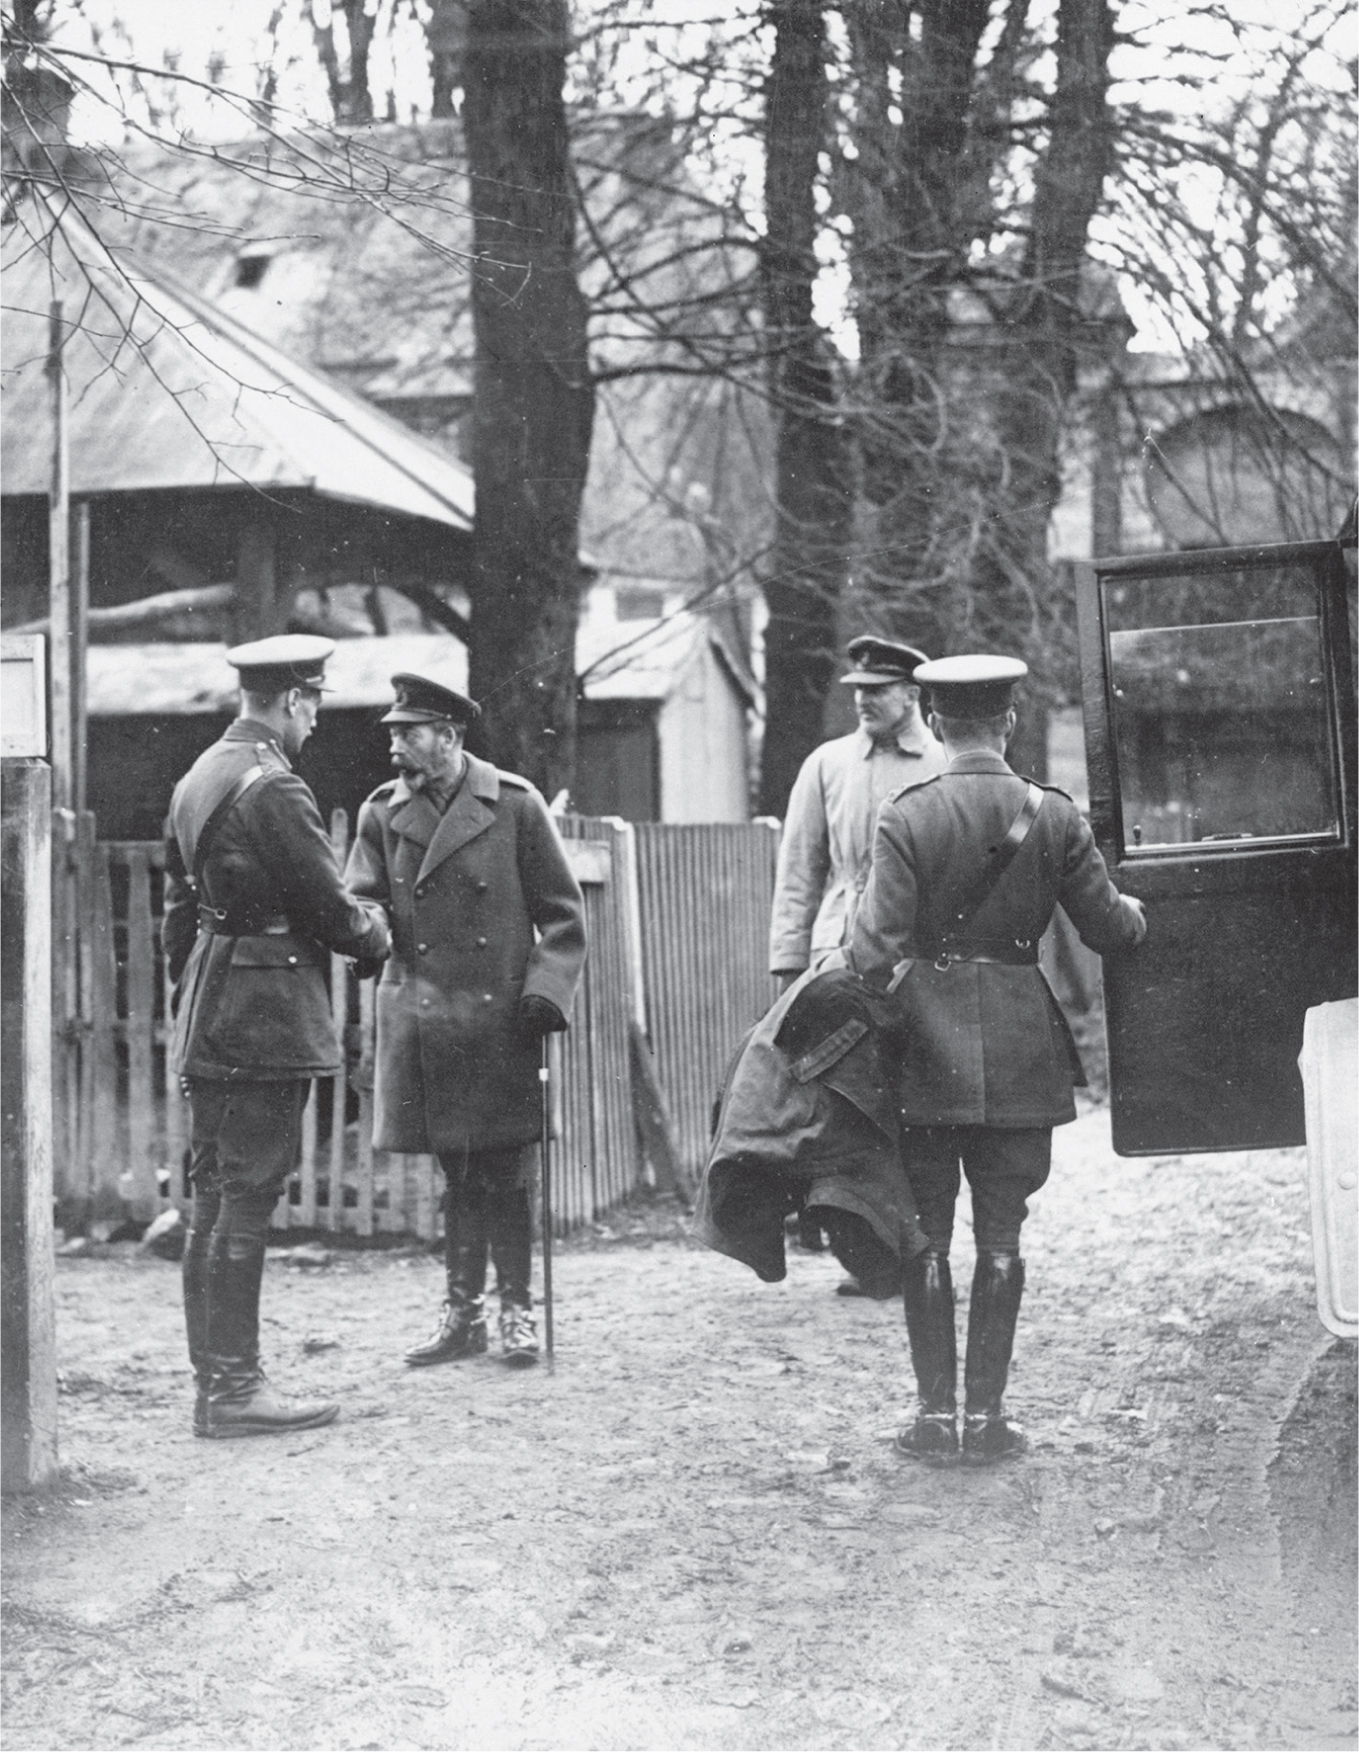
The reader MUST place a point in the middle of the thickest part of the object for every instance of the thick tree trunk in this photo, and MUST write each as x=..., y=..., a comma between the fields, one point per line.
x=907, y=254
x=534, y=400
x=807, y=568
x=1051, y=329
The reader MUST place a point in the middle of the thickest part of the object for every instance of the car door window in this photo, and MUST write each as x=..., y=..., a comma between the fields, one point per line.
x=1222, y=726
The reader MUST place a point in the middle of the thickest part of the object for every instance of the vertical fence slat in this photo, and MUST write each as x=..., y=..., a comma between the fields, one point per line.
x=104, y=1116
x=305, y=1212
x=139, y=1026
x=365, y=1162
x=86, y=855
x=70, y=1171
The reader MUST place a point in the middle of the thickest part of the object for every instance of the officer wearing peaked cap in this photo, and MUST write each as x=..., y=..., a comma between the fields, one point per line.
x=824, y=853
x=254, y=906
x=965, y=875
x=419, y=701
x=488, y=940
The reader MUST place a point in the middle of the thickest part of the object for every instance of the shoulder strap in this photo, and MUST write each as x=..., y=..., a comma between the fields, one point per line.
x=218, y=816
x=979, y=892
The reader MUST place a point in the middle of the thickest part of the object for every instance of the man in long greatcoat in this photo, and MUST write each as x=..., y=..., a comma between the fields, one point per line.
x=966, y=872
x=254, y=907
x=488, y=942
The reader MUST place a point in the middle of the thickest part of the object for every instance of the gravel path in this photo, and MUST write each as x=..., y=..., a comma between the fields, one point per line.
x=694, y=1533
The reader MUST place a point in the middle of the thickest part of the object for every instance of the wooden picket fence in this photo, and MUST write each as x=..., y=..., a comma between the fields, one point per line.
x=677, y=920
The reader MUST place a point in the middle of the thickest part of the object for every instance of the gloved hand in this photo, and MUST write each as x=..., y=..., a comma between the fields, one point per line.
x=536, y=1017
x=377, y=940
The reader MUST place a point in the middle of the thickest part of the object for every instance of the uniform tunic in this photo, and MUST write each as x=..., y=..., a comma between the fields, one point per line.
x=253, y=1004
x=828, y=837
x=467, y=890
x=987, y=1043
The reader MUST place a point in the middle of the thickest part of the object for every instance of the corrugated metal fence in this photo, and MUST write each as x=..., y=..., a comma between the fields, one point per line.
x=677, y=920
x=705, y=893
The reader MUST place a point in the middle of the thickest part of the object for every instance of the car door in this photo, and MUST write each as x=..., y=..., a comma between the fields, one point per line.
x=1220, y=739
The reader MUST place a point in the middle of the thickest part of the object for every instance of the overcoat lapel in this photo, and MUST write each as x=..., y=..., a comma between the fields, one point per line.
x=466, y=816
x=412, y=815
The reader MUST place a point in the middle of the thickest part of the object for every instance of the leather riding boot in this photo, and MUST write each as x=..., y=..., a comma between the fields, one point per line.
x=195, y=1278
x=461, y=1328
x=509, y=1219
x=997, y=1288
x=927, y=1295
x=240, y=1400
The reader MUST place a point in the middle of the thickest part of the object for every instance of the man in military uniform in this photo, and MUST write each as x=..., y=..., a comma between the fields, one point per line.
x=828, y=831
x=488, y=941
x=966, y=872
x=254, y=905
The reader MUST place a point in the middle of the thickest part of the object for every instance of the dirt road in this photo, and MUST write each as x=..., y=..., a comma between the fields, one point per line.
x=695, y=1533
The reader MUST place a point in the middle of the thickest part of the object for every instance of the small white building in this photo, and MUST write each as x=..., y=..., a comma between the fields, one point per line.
x=666, y=708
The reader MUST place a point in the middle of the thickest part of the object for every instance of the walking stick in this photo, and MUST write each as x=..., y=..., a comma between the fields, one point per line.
x=544, y=1079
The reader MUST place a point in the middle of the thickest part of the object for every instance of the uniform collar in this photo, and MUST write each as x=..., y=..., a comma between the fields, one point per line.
x=479, y=777
x=415, y=818
x=979, y=760
x=251, y=730
x=913, y=739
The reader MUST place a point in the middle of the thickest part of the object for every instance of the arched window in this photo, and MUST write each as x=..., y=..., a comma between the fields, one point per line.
x=1233, y=476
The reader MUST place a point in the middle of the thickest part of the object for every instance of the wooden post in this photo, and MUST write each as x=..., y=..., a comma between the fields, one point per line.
x=63, y=1008
x=28, y=1388
x=79, y=642
x=255, y=614
x=59, y=571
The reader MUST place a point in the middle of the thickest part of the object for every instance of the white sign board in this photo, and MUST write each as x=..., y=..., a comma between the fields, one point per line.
x=1330, y=1044
x=23, y=696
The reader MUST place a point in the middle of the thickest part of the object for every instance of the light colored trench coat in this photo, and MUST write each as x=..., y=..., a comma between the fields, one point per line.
x=827, y=840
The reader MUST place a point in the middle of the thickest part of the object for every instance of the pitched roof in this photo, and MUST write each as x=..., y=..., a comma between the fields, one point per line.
x=166, y=391
x=173, y=679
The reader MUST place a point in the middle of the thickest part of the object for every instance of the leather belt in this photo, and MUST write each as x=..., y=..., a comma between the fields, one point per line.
x=218, y=924
x=1016, y=954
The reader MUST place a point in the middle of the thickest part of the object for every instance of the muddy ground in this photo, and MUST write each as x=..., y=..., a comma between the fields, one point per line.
x=694, y=1533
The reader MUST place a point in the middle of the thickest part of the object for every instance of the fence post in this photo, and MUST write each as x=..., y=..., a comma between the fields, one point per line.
x=28, y=1386
x=139, y=1184
x=102, y=955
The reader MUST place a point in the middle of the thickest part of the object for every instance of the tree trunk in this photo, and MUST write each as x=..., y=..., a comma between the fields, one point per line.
x=907, y=255
x=813, y=501
x=1051, y=329
x=534, y=401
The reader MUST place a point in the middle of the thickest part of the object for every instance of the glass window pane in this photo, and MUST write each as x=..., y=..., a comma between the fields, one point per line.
x=1220, y=712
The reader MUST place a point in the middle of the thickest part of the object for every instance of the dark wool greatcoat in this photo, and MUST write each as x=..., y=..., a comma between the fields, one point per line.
x=987, y=1044
x=465, y=892
x=808, y=1117
x=252, y=1005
